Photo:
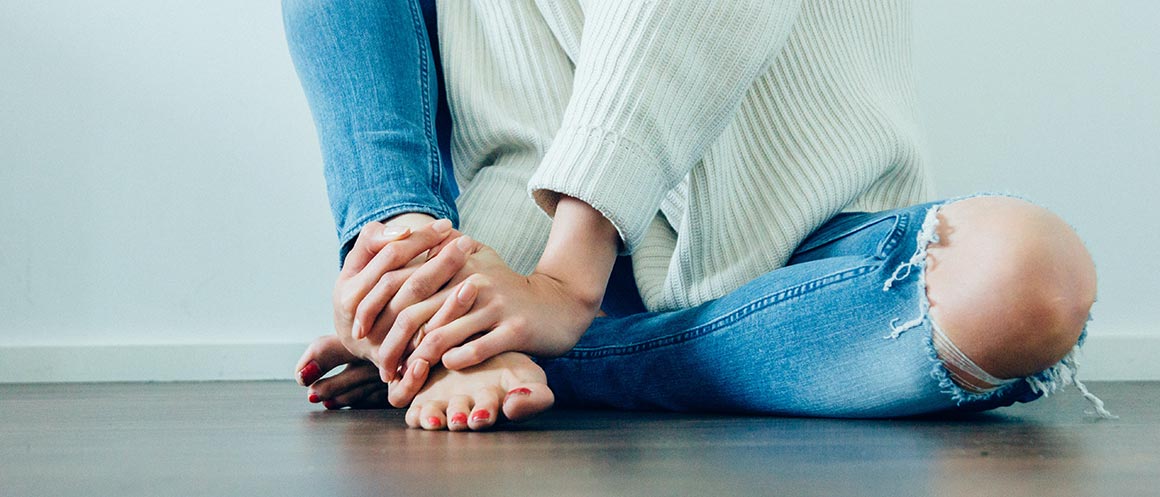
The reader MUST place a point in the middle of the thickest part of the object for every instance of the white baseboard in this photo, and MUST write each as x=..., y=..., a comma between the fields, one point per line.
x=1106, y=357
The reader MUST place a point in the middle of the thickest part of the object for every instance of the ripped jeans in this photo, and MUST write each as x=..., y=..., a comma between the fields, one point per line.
x=841, y=331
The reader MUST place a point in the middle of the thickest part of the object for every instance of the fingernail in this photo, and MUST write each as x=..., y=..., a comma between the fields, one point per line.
x=395, y=232
x=481, y=415
x=464, y=243
x=434, y=422
x=419, y=370
x=310, y=373
x=460, y=418
x=314, y=398
x=441, y=226
x=465, y=293
x=356, y=329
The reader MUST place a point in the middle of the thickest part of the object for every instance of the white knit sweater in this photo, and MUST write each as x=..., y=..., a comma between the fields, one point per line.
x=715, y=135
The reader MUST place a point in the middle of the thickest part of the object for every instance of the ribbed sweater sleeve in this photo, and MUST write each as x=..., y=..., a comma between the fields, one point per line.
x=655, y=83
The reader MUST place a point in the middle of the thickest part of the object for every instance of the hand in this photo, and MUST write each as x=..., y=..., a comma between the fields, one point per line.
x=378, y=270
x=536, y=314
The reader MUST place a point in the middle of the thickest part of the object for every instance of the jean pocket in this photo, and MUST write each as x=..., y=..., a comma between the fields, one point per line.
x=854, y=234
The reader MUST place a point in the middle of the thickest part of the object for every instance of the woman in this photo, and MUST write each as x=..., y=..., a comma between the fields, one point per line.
x=756, y=166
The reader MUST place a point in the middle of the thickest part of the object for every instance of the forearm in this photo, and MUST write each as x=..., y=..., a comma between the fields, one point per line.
x=581, y=251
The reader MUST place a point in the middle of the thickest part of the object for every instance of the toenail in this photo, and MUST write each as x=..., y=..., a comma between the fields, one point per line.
x=434, y=422
x=310, y=373
x=520, y=391
x=314, y=398
x=460, y=418
x=330, y=404
x=482, y=415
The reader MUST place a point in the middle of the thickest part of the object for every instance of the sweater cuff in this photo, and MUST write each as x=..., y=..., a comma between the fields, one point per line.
x=606, y=171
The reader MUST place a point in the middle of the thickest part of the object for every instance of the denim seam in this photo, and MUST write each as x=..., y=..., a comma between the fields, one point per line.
x=720, y=322
x=422, y=40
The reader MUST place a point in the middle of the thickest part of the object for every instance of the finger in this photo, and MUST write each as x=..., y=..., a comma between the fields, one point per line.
x=393, y=256
x=371, y=239
x=368, y=310
x=398, y=253
x=402, y=392
x=457, y=307
x=357, y=396
x=355, y=375
x=438, y=342
x=430, y=277
x=395, y=342
x=481, y=349
x=455, y=234
x=323, y=354
x=432, y=416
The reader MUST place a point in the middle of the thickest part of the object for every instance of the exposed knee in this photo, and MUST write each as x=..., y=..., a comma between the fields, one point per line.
x=1010, y=283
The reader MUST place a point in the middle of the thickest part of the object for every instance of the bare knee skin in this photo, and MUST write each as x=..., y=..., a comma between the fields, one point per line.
x=1010, y=283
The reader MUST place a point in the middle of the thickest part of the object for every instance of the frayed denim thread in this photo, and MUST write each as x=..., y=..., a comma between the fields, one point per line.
x=1046, y=382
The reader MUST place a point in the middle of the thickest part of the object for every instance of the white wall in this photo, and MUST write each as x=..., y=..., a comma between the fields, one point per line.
x=163, y=216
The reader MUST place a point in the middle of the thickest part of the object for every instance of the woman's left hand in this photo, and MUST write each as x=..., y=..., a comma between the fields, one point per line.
x=501, y=309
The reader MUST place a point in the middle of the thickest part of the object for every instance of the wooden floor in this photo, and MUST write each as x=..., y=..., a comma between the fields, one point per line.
x=262, y=438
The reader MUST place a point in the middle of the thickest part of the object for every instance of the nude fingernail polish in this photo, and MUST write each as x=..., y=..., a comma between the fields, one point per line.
x=419, y=370
x=356, y=329
x=481, y=415
x=464, y=243
x=460, y=418
x=395, y=232
x=466, y=293
x=441, y=226
x=310, y=373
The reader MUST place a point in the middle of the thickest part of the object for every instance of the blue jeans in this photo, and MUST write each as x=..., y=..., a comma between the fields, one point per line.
x=374, y=87
x=818, y=337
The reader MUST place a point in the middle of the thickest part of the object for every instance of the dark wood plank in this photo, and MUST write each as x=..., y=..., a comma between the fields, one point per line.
x=262, y=438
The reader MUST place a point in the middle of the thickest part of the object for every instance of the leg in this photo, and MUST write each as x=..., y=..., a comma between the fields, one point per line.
x=368, y=72
x=807, y=339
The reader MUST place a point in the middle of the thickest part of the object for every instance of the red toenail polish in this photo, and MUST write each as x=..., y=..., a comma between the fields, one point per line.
x=314, y=398
x=310, y=373
x=460, y=418
x=329, y=404
x=520, y=391
x=434, y=421
x=482, y=415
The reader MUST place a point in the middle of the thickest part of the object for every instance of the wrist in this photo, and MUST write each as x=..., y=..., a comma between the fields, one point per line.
x=580, y=252
x=413, y=220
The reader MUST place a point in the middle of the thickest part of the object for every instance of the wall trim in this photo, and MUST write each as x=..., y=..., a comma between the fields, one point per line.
x=1104, y=358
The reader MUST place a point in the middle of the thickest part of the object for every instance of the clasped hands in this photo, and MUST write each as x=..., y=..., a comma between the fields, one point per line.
x=409, y=298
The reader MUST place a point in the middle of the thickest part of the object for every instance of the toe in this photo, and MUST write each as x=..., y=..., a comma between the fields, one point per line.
x=486, y=409
x=413, y=412
x=527, y=400
x=458, y=409
x=324, y=354
x=432, y=416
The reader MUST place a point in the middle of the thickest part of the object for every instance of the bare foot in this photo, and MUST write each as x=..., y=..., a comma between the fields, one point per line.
x=472, y=398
